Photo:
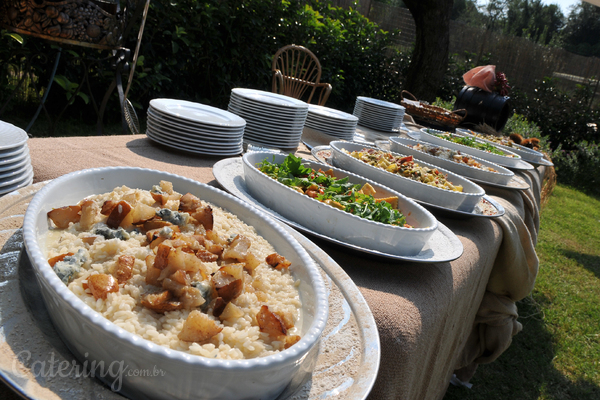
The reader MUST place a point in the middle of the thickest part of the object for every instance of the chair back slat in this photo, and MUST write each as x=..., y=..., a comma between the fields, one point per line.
x=297, y=73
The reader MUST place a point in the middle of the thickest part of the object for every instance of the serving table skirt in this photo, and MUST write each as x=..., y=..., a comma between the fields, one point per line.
x=433, y=319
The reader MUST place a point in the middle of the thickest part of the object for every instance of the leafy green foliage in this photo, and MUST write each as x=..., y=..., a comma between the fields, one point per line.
x=582, y=31
x=579, y=166
x=565, y=119
x=201, y=50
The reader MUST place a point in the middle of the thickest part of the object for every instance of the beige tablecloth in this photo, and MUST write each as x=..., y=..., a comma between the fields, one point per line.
x=432, y=319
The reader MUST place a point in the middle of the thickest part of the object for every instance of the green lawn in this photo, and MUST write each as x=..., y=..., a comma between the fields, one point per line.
x=557, y=355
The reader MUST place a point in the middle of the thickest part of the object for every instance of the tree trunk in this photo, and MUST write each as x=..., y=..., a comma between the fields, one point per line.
x=430, y=56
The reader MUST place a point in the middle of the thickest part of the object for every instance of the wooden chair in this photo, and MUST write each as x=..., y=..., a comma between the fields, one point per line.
x=297, y=73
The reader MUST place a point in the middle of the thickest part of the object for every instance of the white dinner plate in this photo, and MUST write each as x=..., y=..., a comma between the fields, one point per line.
x=11, y=136
x=24, y=154
x=275, y=121
x=331, y=113
x=225, y=140
x=10, y=166
x=25, y=181
x=182, y=145
x=198, y=144
x=443, y=246
x=260, y=96
x=331, y=125
x=193, y=127
x=18, y=171
x=196, y=112
x=379, y=103
x=13, y=152
x=260, y=108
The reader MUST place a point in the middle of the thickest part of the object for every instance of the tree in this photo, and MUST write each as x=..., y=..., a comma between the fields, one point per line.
x=582, y=30
x=430, y=55
x=530, y=18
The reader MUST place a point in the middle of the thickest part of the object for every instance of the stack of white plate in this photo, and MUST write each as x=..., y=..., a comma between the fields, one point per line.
x=331, y=122
x=379, y=114
x=15, y=164
x=272, y=119
x=195, y=127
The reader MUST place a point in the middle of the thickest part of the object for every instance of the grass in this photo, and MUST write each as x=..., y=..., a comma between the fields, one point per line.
x=557, y=355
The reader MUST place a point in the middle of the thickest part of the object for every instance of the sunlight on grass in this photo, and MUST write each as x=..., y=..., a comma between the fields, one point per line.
x=557, y=355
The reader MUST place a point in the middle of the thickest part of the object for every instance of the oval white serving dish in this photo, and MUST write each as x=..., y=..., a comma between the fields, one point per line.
x=338, y=224
x=94, y=339
x=526, y=153
x=503, y=176
x=503, y=160
x=462, y=201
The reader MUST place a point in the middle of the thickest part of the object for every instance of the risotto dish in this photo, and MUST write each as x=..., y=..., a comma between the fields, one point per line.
x=177, y=271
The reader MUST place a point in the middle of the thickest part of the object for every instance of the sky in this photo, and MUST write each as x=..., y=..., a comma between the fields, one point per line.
x=565, y=5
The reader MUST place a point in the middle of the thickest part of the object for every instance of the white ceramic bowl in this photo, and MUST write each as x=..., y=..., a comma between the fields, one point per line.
x=526, y=153
x=95, y=340
x=335, y=223
x=510, y=160
x=503, y=176
x=462, y=201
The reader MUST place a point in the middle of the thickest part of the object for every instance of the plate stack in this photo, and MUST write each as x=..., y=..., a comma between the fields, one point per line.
x=331, y=122
x=195, y=127
x=15, y=164
x=379, y=114
x=272, y=119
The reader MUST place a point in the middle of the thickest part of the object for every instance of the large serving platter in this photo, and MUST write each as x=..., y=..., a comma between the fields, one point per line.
x=91, y=337
x=334, y=222
x=462, y=201
x=487, y=206
x=514, y=161
x=405, y=146
x=442, y=246
x=515, y=182
x=526, y=153
x=349, y=349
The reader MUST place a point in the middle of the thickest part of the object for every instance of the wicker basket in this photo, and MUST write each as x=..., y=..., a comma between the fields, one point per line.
x=431, y=115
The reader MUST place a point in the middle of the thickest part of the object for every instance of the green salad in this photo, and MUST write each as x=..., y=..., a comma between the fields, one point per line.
x=471, y=142
x=338, y=193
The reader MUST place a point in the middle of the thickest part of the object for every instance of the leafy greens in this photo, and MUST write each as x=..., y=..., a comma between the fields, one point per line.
x=339, y=193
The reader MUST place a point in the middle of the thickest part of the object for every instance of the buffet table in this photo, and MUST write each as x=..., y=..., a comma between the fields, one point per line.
x=434, y=320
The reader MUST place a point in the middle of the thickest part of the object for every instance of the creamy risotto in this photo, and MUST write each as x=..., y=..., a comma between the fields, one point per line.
x=177, y=271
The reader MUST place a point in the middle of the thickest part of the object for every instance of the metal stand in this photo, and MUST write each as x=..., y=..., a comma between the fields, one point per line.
x=110, y=40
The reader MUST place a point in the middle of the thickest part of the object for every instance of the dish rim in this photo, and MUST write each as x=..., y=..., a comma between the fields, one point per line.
x=509, y=173
x=340, y=212
x=43, y=271
x=404, y=179
x=517, y=158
